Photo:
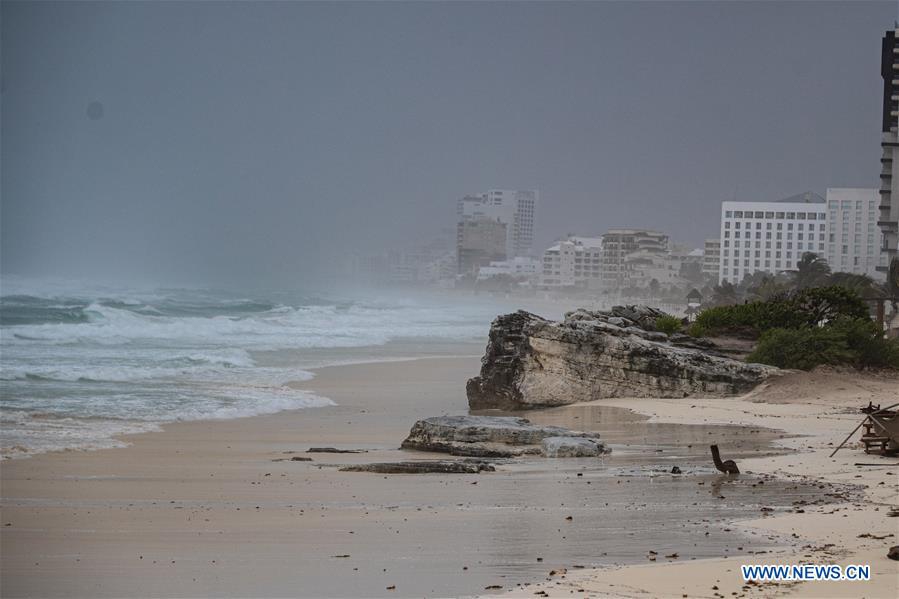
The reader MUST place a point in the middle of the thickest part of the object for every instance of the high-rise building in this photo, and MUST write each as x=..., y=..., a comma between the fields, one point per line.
x=853, y=240
x=480, y=241
x=624, y=250
x=770, y=236
x=516, y=208
x=889, y=172
x=711, y=259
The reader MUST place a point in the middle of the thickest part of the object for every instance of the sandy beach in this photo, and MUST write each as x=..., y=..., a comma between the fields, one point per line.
x=219, y=508
x=822, y=407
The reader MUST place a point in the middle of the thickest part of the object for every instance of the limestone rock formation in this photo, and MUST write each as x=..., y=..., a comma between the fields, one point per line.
x=532, y=362
x=490, y=436
x=571, y=447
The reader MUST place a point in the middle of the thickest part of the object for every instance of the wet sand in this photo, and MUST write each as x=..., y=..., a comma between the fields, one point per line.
x=819, y=409
x=214, y=509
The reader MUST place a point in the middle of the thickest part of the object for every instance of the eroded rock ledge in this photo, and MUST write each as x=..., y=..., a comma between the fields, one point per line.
x=532, y=362
x=499, y=436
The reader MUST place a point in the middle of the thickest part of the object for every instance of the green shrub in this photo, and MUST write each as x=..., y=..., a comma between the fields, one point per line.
x=697, y=330
x=802, y=348
x=867, y=343
x=853, y=341
x=668, y=324
x=806, y=307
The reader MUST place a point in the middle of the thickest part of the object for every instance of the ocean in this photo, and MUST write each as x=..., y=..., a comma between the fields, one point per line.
x=81, y=365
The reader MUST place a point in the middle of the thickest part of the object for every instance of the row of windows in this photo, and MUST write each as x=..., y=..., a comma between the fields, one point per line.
x=758, y=235
x=778, y=215
x=848, y=204
x=780, y=226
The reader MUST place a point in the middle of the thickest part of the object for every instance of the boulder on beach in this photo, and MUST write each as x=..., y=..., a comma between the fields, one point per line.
x=572, y=447
x=489, y=436
x=534, y=362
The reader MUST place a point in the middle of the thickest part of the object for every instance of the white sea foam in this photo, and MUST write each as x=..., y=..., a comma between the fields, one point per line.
x=80, y=367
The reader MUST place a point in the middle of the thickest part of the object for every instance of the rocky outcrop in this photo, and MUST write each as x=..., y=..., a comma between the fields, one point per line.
x=533, y=362
x=494, y=436
x=571, y=447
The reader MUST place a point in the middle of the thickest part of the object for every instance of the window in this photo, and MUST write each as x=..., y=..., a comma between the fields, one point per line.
x=760, y=215
x=769, y=215
x=729, y=214
x=737, y=225
x=791, y=215
x=800, y=215
x=727, y=225
x=738, y=214
x=780, y=215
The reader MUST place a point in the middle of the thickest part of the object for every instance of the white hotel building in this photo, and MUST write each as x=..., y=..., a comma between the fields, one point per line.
x=770, y=236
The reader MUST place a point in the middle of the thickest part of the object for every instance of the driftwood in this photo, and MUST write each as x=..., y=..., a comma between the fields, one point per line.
x=727, y=466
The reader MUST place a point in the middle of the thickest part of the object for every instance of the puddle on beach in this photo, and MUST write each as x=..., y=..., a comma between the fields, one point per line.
x=451, y=535
x=306, y=529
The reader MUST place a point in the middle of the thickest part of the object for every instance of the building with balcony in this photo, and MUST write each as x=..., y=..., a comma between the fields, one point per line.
x=888, y=219
x=618, y=245
x=711, y=258
x=574, y=262
x=854, y=240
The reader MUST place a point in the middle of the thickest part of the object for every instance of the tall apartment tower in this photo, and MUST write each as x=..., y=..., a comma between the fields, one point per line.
x=853, y=240
x=516, y=208
x=889, y=172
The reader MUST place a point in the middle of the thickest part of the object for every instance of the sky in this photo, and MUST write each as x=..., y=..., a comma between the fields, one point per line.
x=258, y=142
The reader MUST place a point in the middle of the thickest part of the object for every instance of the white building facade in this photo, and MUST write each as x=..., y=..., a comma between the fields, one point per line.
x=711, y=259
x=854, y=241
x=770, y=237
x=575, y=262
x=520, y=267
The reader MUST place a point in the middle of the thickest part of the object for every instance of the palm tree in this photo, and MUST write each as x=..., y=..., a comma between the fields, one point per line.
x=767, y=288
x=724, y=294
x=892, y=284
x=811, y=271
x=864, y=285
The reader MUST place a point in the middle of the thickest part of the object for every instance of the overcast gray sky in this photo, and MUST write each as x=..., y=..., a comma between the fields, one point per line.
x=244, y=140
